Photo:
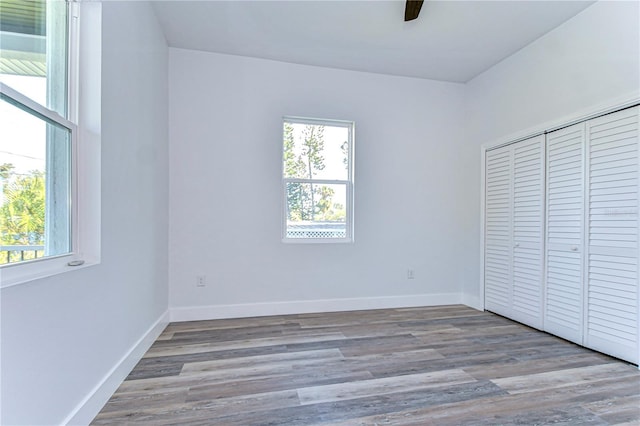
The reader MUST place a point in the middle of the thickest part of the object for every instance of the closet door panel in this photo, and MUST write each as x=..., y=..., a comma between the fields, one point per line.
x=612, y=262
x=563, y=300
x=528, y=220
x=497, y=264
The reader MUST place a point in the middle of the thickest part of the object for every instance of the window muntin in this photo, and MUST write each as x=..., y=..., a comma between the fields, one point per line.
x=317, y=180
x=36, y=139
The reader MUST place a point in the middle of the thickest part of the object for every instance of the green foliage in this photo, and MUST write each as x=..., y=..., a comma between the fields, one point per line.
x=299, y=201
x=345, y=154
x=22, y=213
x=327, y=210
x=5, y=170
x=298, y=198
x=313, y=145
x=294, y=167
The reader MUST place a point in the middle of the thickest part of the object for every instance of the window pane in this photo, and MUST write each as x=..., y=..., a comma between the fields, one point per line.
x=35, y=176
x=316, y=210
x=316, y=151
x=33, y=50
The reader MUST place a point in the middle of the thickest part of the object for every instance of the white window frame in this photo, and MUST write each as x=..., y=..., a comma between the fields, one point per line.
x=349, y=183
x=84, y=124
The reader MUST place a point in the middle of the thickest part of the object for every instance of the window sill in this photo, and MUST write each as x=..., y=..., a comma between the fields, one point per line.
x=317, y=240
x=23, y=273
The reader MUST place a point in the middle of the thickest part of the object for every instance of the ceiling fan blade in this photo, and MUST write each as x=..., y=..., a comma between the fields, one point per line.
x=412, y=9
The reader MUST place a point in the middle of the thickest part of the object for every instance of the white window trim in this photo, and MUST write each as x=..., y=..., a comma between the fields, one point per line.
x=84, y=109
x=350, y=236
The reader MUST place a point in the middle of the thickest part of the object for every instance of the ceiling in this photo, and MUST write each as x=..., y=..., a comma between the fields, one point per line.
x=450, y=41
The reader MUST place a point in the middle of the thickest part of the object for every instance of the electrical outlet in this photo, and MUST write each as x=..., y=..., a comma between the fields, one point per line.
x=410, y=274
x=201, y=281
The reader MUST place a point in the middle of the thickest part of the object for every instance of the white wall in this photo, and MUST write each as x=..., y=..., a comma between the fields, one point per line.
x=225, y=188
x=61, y=336
x=590, y=61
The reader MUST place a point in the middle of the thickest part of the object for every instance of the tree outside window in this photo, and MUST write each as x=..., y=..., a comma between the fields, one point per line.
x=317, y=178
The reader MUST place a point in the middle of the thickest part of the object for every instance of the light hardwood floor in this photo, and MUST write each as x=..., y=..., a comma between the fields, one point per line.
x=448, y=365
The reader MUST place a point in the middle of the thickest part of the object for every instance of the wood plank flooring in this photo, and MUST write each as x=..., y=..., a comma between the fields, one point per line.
x=447, y=365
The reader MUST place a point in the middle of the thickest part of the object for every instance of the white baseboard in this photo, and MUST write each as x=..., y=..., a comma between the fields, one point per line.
x=474, y=302
x=91, y=405
x=196, y=313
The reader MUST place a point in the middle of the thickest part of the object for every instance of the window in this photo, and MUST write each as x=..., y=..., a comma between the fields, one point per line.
x=317, y=171
x=38, y=133
x=35, y=178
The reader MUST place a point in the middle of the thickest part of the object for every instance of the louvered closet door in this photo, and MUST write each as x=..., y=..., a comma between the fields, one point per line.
x=528, y=220
x=612, y=262
x=563, y=312
x=497, y=264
